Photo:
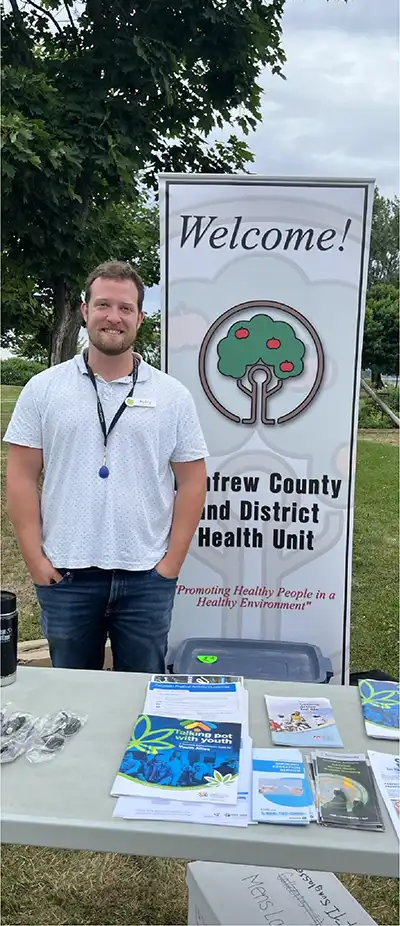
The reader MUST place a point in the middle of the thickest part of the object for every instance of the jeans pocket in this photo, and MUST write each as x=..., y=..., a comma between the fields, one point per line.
x=164, y=578
x=67, y=577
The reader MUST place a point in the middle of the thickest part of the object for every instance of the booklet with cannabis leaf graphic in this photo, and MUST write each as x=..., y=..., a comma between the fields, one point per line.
x=192, y=760
x=380, y=702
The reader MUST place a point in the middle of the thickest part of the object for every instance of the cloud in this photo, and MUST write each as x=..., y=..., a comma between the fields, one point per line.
x=336, y=114
x=364, y=17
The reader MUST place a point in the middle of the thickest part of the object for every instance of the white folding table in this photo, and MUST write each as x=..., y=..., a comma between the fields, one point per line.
x=65, y=803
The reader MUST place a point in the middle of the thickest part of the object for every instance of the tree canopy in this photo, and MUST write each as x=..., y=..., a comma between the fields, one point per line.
x=261, y=340
x=95, y=105
x=381, y=331
x=384, y=262
x=127, y=231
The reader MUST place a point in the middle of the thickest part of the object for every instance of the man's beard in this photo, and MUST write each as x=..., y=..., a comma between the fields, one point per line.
x=112, y=345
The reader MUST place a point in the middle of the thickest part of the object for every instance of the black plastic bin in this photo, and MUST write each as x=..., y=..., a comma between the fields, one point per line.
x=276, y=660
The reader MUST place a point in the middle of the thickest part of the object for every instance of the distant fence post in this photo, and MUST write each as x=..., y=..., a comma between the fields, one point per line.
x=380, y=402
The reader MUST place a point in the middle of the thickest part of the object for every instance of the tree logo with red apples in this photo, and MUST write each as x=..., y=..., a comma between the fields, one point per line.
x=261, y=354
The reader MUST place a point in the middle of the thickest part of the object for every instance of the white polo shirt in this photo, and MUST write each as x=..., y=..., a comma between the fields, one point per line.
x=122, y=522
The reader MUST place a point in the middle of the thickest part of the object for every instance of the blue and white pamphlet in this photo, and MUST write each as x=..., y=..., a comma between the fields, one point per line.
x=183, y=760
x=149, y=808
x=281, y=792
x=302, y=722
x=380, y=702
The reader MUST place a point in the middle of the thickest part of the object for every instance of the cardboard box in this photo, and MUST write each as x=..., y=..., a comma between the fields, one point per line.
x=244, y=895
x=36, y=653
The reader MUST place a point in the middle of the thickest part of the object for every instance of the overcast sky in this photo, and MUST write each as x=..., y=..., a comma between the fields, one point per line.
x=337, y=111
x=336, y=114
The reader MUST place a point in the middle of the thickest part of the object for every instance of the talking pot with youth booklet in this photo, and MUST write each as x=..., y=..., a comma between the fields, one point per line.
x=193, y=760
x=302, y=722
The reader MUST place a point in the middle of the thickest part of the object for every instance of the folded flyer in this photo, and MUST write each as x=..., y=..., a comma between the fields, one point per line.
x=380, y=702
x=386, y=769
x=346, y=793
x=281, y=791
x=183, y=760
x=302, y=722
x=140, y=808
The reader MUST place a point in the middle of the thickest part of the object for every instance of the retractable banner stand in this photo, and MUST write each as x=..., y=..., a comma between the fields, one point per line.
x=263, y=306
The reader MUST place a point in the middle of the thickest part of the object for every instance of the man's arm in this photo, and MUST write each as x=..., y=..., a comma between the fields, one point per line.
x=191, y=480
x=24, y=467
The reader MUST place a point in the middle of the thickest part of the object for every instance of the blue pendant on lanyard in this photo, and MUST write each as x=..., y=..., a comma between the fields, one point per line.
x=104, y=471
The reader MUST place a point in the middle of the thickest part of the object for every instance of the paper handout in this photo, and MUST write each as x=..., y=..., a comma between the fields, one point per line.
x=302, y=722
x=149, y=808
x=192, y=760
x=281, y=792
x=226, y=702
x=386, y=769
x=380, y=702
x=346, y=791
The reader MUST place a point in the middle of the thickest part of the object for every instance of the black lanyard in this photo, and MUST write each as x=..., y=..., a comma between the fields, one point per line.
x=104, y=471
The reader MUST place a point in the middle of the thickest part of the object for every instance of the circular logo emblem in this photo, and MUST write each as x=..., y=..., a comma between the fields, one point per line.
x=129, y=402
x=260, y=353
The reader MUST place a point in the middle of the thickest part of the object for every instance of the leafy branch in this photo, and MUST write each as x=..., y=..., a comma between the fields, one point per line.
x=47, y=13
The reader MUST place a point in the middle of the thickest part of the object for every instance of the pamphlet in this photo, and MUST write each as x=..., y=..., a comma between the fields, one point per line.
x=139, y=808
x=302, y=722
x=148, y=808
x=227, y=702
x=386, y=769
x=184, y=760
x=281, y=792
x=346, y=794
x=380, y=702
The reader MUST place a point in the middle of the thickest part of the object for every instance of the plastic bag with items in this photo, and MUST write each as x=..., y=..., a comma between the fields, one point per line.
x=16, y=731
x=51, y=734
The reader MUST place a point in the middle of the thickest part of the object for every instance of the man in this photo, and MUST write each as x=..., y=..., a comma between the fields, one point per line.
x=105, y=544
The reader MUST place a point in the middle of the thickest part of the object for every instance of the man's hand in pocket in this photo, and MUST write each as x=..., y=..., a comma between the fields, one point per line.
x=44, y=573
x=167, y=569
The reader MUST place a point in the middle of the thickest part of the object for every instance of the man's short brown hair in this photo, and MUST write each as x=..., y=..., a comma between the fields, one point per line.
x=116, y=270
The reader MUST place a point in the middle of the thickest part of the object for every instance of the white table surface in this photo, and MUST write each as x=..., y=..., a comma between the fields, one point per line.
x=66, y=803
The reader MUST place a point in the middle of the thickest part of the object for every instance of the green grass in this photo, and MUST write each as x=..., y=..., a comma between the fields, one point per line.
x=46, y=886
x=14, y=572
x=9, y=396
x=375, y=594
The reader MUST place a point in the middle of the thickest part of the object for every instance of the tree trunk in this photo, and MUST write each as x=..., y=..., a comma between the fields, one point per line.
x=265, y=396
x=253, y=393
x=67, y=322
x=376, y=378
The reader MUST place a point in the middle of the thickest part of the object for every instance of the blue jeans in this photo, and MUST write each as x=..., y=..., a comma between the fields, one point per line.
x=133, y=608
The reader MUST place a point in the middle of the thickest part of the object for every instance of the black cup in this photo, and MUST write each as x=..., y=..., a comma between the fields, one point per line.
x=8, y=637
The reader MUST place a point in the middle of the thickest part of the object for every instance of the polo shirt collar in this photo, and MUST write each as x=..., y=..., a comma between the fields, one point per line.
x=143, y=374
